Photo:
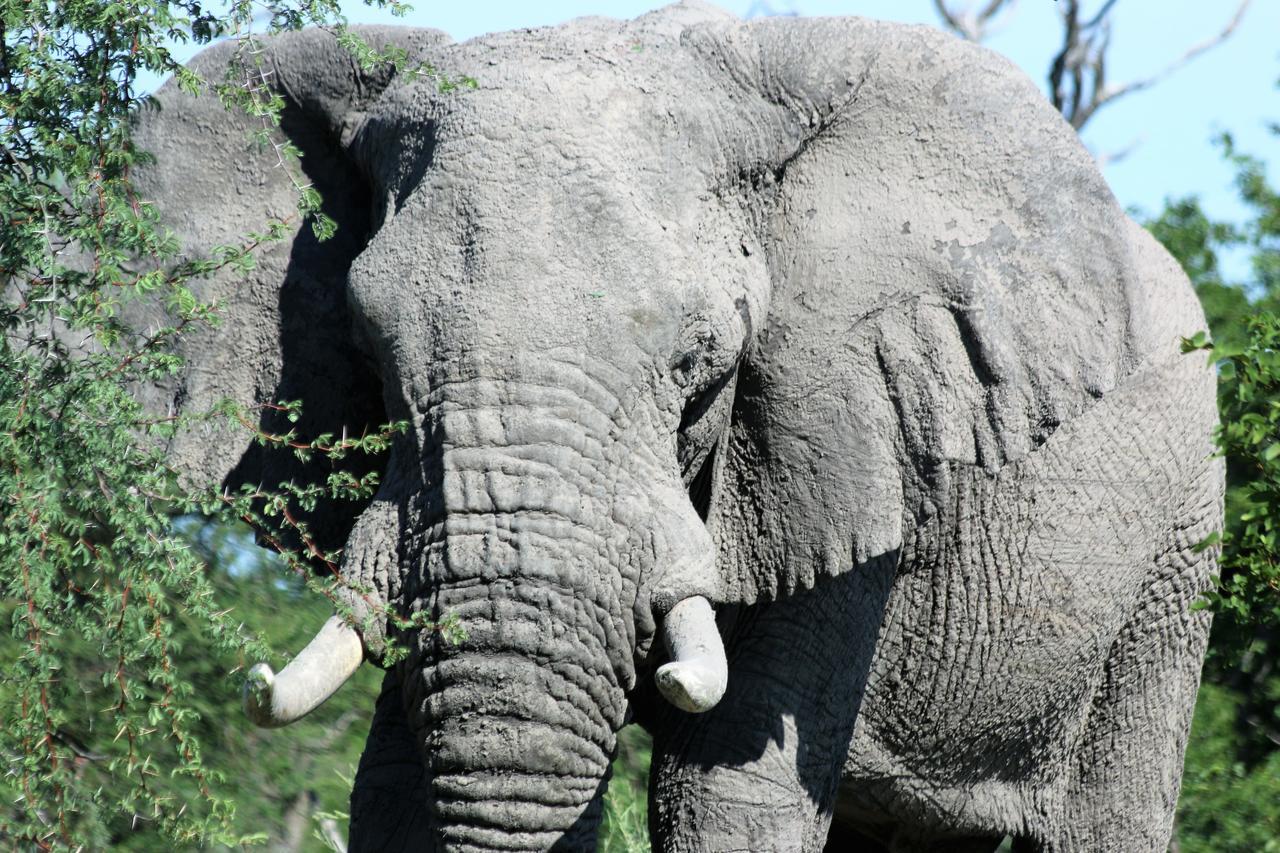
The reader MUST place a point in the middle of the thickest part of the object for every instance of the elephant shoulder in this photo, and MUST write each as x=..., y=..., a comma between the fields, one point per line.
x=952, y=281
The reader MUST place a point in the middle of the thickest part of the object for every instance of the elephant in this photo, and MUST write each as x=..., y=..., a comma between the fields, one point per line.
x=795, y=388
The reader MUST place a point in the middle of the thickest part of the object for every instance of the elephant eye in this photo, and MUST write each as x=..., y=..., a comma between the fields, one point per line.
x=703, y=421
x=684, y=367
x=702, y=397
x=703, y=361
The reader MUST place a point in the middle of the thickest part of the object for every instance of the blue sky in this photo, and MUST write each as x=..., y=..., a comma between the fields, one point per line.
x=1232, y=88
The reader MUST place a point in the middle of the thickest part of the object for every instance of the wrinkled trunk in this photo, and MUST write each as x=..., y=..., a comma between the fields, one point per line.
x=556, y=528
x=524, y=547
x=519, y=748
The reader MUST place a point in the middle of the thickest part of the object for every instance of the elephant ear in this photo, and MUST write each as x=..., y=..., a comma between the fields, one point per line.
x=285, y=330
x=951, y=280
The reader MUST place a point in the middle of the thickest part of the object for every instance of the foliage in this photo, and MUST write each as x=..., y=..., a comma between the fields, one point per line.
x=626, y=804
x=1249, y=397
x=1245, y=327
x=1227, y=805
x=1229, y=800
x=103, y=729
x=282, y=777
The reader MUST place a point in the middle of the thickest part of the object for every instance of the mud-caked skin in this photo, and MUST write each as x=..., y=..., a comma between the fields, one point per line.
x=831, y=323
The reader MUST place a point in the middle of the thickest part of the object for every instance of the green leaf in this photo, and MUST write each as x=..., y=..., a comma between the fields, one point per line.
x=1198, y=341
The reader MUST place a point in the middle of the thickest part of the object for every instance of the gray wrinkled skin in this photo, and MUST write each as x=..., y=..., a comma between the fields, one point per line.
x=833, y=322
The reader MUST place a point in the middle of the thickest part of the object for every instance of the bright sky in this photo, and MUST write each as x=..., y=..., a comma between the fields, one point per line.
x=1231, y=88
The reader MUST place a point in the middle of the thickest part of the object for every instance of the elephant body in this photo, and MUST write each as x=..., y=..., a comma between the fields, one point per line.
x=830, y=323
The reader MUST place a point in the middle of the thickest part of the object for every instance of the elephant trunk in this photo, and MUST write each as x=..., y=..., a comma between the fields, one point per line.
x=518, y=745
x=518, y=721
x=539, y=540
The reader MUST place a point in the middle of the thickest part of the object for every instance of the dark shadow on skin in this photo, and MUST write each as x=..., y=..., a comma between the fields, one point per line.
x=321, y=362
x=806, y=657
x=418, y=164
x=844, y=839
x=581, y=837
x=391, y=798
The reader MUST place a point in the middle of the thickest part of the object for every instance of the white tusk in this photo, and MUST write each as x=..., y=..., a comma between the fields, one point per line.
x=313, y=676
x=697, y=675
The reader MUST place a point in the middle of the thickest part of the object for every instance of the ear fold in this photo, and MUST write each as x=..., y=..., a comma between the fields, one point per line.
x=286, y=332
x=951, y=280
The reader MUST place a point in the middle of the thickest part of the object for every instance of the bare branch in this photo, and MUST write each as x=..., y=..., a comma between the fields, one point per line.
x=989, y=12
x=969, y=23
x=1101, y=16
x=1068, y=55
x=948, y=18
x=1078, y=84
x=1094, y=57
x=332, y=835
x=1107, y=158
x=1193, y=52
x=764, y=9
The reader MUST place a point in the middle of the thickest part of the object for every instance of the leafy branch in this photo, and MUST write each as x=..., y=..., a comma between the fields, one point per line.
x=1249, y=398
x=88, y=553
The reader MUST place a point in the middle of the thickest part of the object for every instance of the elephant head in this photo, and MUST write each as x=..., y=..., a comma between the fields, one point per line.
x=641, y=297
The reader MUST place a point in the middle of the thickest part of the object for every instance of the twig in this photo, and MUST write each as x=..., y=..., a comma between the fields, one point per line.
x=1078, y=75
x=971, y=24
x=329, y=827
x=1106, y=96
x=1107, y=158
x=1102, y=14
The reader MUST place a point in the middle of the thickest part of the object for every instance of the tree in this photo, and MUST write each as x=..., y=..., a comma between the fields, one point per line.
x=103, y=727
x=1245, y=325
x=288, y=781
x=1077, y=81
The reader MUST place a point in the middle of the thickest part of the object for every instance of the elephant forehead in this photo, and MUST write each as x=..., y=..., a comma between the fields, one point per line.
x=618, y=93
x=505, y=244
x=574, y=197
x=495, y=281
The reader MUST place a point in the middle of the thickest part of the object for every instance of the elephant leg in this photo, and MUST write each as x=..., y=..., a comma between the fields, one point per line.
x=390, y=802
x=760, y=771
x=1122, y=787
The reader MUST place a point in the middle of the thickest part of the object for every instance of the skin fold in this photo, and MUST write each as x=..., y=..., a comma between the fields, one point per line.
x=795, y=388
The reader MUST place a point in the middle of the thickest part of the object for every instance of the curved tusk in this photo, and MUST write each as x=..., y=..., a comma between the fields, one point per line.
x=317, y=672
x=697, y=675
